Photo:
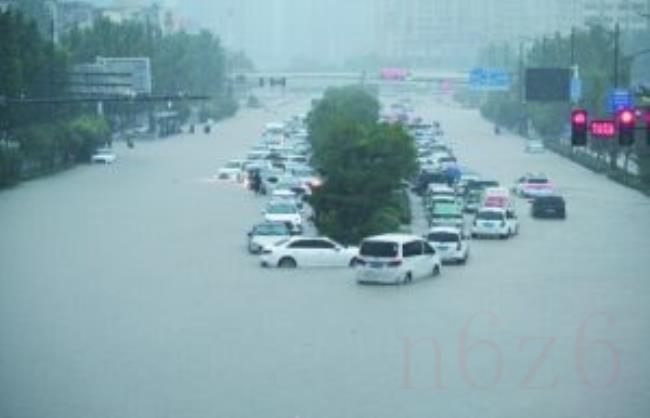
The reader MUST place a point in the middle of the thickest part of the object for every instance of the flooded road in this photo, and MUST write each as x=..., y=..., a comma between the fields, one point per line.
x=126, y=291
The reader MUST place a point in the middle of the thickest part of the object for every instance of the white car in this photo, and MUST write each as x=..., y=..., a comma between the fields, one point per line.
x=266, y=234
x=286, y=212
x=534, y=146
x=103, y=156
x=495, y=222
x=308, y=252
x=283, y=194
x=233, y=170
x=395, y=259
x=270, y=179
x=450, y=243
x=307, y=176
x=437, y=189
x=437, y=199
x=530, y=186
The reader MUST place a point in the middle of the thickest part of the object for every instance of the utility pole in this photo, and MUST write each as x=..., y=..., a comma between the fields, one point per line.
x=614, y=147
x=617, y=35
x=521, y=71
x=573, y=46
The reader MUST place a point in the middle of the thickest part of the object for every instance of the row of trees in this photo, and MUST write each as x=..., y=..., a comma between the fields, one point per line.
x=35, y=139
x=181, y=62
x=593, y=51
x=364, y=163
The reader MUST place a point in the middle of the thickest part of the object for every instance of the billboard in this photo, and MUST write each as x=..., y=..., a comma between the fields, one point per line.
x=112, y=77
x=394, y=74
x=548, y=84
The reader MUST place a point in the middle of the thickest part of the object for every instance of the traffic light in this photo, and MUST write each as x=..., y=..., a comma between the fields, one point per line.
x=625, y=121
x=579, y=128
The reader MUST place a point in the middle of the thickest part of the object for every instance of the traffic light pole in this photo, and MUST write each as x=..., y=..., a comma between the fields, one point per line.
x=614, y=145
x=617, y=36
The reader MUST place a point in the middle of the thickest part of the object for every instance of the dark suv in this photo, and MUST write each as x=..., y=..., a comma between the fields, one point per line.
x=549, y=207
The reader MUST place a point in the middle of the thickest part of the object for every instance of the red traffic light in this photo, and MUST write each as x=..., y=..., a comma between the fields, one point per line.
x=626, y=117
x=579, y=117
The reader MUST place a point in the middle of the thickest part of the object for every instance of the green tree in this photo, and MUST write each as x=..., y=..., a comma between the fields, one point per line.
x=363, y=162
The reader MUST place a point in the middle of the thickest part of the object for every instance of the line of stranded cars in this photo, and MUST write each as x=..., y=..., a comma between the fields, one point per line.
x=278, y=167
x=449, y=192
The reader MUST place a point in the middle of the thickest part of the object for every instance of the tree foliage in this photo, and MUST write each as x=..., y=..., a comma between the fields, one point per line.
x=29, y=66
x=594, y=49
x=363, y=162
x=39, y=139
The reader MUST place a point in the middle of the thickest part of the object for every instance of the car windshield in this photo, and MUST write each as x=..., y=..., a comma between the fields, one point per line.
x=447, y=215
x=443, y=237
x=271, y=230
x=379, y=249
x=300, y=172
x=537, y=180
x=490, y=216
x=281, y=208
x=549, y=200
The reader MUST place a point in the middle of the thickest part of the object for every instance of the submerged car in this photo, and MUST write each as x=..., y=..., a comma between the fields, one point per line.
x=286, y=212
x=552, y=206
x=532, y=185
x=233, y=170
x=308, y=252
x=534, y=146
x=103, y=156
x=396, y=259
x=495, y=222
x=266, y=234
x=450, y=243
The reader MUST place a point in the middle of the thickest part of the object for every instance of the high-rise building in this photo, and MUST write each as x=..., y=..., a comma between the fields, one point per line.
x=450, y=33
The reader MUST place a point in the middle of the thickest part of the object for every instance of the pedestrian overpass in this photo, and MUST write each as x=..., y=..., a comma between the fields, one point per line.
x=442, y=82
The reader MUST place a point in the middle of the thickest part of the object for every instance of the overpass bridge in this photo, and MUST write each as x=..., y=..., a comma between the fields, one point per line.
x=442, y=82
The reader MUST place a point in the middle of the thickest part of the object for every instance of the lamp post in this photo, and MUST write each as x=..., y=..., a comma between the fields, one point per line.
x=524, y=123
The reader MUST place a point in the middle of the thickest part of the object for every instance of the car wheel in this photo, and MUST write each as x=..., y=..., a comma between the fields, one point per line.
x=353, y=262
x=287, y=263
x=436, y=270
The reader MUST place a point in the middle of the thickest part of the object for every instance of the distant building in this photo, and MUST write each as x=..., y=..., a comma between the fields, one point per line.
x=76, y=14
x=166, y=20
x=450, y=33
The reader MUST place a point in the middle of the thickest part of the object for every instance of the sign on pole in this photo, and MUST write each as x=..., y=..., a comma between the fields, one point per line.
x=548, y=84
x=618, y=100
x=491, y=79
x=576, y=89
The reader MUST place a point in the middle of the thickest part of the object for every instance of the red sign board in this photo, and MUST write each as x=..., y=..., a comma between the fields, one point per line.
x=603, y=128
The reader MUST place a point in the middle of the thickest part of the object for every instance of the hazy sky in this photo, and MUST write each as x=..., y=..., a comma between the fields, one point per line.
x=279, y=33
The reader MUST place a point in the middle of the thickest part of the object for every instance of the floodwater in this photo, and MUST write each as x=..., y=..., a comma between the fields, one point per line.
x=126, y=291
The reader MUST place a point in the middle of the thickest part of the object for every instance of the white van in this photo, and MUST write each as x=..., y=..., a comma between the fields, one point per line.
x=396, y=258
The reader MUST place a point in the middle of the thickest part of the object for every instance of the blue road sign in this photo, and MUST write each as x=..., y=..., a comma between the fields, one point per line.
x=619, y=99
x=576, y=89
x=489, y=79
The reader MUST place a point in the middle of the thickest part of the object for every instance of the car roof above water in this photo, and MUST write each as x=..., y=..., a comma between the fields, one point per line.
x=396, y=238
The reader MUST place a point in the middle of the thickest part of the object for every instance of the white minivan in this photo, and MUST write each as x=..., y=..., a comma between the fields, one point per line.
x=396, y=258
